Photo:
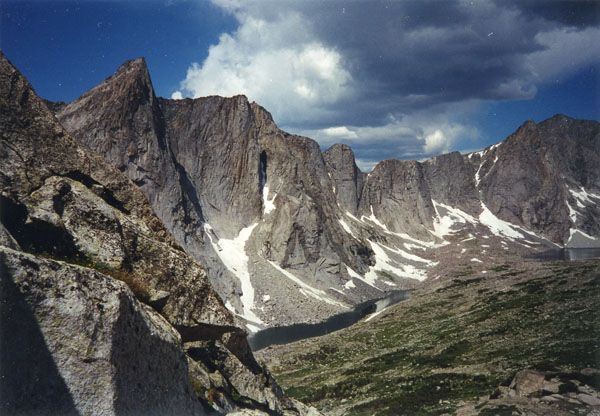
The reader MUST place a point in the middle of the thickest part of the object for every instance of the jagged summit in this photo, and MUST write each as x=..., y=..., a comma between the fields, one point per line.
x=133, y=68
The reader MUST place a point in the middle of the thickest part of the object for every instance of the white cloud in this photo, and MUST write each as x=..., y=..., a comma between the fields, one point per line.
x=176, y=95
x=366, y=165
x=393, y=131
x=441, y=139
x=415, y=136
x=341, y=132
x=278, y=64
x=565, y=50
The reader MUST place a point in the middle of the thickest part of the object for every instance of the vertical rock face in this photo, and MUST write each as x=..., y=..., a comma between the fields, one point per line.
x=347, y=178
x=290, y=234
x=451, y=180
x=214, y=140
x=121, y=120
x=97, y=297
x=397, y=193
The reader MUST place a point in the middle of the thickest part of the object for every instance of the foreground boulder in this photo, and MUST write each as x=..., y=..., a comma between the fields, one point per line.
x=95, y=349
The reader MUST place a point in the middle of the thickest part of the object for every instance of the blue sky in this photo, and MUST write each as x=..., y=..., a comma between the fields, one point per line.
x=407, y=79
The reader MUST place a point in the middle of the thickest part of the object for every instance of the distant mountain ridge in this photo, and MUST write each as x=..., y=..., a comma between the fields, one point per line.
x=289, y=234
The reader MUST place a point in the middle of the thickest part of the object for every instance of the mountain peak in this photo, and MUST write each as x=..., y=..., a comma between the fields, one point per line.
x=132, y=67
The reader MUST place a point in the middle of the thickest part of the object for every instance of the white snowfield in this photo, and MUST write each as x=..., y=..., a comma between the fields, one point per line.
x=233, y=255
x=410, y=256
x=349, y=284
x=355, y=275
x=575, y=233
x=373, y=219
x=583, y=197
x=497, y=226
x=482, y=154
x=447, y=223
x=572, y=213
x=383, y=263
x=268, y=204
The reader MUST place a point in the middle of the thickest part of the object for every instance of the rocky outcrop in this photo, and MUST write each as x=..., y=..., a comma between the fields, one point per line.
x=397, y=193
x=64, y=202
x=451, y=181
x=119, y=357
x=548, y=393
x=102, y=268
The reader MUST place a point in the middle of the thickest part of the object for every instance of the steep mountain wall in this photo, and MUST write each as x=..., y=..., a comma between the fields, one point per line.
x=290, y=234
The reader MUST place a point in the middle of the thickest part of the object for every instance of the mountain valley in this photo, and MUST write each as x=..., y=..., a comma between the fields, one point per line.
x=143, y=240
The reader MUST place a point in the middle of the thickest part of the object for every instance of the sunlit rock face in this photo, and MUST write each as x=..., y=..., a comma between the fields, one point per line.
x=290, y=234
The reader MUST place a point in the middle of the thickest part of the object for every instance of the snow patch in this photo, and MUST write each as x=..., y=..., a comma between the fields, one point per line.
x=230, y=307
x=583, y=197
x=233, y=255
x=572, y=213
x=412, y=246
x=355, y=275
x=352, y=216
x=474, y=260
x=383, y=263
x=445, y=224
x=578, y=236
x=497, y=226
x=374, y=219
x=410, y=256
x=268, y=204
x=347, y=228
x=349, y=284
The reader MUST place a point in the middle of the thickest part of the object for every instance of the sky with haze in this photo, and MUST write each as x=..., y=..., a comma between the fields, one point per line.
x=393, y=79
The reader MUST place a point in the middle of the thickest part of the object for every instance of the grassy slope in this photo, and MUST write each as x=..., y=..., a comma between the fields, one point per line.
x=451, y=343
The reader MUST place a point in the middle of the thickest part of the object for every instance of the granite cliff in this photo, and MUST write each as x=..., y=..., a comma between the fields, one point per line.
x=288, y=233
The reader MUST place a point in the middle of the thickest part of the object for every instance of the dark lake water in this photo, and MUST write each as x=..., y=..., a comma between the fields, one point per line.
x=296, y=332
x=569, y=254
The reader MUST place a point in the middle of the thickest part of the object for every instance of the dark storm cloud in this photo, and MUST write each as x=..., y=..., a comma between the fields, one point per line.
x=414, y=66
x=410, y=55
x=578, y=13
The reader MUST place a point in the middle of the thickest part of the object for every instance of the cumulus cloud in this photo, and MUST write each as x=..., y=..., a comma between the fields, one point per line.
x=416, y=136
x=564, y=51
x=176, y=95
x=276, y=63
x=393, y=79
